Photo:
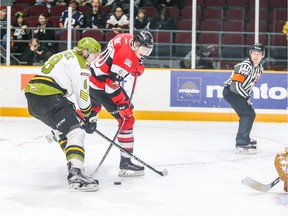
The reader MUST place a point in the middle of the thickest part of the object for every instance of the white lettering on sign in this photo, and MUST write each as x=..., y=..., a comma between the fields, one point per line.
x=262, y=92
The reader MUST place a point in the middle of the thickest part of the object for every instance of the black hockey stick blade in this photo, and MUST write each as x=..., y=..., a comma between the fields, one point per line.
x=161, y=173
x=259, y=186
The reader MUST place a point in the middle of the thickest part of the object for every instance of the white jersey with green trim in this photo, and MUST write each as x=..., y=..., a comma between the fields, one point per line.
x=68, y=70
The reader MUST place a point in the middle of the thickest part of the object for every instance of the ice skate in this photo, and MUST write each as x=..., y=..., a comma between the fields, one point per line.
x=253, y=141
x=246, y=149
x=79, y=182
x=128, y=169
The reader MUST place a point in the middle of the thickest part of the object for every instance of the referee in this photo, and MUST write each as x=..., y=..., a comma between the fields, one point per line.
x=237, y=91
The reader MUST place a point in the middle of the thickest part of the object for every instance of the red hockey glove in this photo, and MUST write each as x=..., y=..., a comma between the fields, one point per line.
x=125, y=110
x=138, y=72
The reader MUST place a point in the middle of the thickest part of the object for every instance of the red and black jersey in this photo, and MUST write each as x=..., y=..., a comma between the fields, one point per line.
x=114, y=63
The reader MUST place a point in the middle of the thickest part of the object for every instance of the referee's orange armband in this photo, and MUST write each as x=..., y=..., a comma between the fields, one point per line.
x=238, y=77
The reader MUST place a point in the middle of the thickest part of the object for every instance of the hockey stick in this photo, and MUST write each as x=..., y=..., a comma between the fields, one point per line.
x=161, y=173
x=108, y=150
x=133, y=88
x=259, y=186
x=117, y=132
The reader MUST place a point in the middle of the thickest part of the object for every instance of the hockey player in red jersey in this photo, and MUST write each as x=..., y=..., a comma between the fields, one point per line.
x=123, y=56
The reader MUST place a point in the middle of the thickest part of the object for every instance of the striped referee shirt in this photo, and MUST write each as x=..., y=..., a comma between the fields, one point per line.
x=243, y=78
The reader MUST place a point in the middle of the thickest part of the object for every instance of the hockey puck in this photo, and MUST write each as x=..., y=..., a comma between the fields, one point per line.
x=117, y=183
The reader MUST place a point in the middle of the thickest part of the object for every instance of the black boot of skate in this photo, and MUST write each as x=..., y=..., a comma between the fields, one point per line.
x=129, y=169
x=79, y=181
x=253, y=141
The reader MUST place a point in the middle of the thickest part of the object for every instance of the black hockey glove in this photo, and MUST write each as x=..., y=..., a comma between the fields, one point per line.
x=90, y=124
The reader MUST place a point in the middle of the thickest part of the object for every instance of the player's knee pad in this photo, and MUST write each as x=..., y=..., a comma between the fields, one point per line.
x=76, y=137
x=128, y=123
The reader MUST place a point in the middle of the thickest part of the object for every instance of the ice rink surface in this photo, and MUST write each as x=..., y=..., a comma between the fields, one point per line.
x=204, y=172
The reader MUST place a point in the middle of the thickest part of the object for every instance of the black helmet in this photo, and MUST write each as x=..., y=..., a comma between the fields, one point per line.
x=258, y=47
x=144, y=38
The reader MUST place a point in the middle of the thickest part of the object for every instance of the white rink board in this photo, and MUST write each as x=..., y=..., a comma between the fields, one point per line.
x=148, y=94
x=152, y=91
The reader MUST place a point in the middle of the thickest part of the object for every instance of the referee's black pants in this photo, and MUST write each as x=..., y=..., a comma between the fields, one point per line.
x=245, y=112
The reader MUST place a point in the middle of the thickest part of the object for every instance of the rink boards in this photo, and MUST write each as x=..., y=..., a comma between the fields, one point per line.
x=168, y=94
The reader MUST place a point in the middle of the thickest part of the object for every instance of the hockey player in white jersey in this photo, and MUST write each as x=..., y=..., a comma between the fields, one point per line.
x=63, y=75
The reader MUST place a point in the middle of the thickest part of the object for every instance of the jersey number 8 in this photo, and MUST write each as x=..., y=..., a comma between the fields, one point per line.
x=50, y=64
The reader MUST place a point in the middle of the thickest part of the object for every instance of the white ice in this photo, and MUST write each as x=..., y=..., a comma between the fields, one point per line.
x=204, y=177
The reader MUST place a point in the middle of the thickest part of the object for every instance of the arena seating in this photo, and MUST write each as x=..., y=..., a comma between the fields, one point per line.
x=214, y=19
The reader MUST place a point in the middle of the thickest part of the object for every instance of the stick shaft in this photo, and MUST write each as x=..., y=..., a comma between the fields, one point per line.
x=117, y=132
x=108, y=150
x=162, y=173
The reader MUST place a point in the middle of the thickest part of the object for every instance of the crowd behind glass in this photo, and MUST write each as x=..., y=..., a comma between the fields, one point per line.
x=39, y=30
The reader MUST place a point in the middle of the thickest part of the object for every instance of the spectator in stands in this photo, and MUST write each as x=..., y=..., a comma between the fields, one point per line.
x=47, y=3
x=84, y=2
x=32, y=54
x=59, y=2
x=95, y=18
x=204, y=58
x=42, y=33
x=163, y=20
x=40, y=2
x=108, y=3
x=3, y=25
x=118, y=21
x=169, y=3
x=103, y=2
x=151, y=3
x=142, y=21
x=285, y=30
x=77, y=16
x=137, y=4
x=125, y=5
x=20, y=32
